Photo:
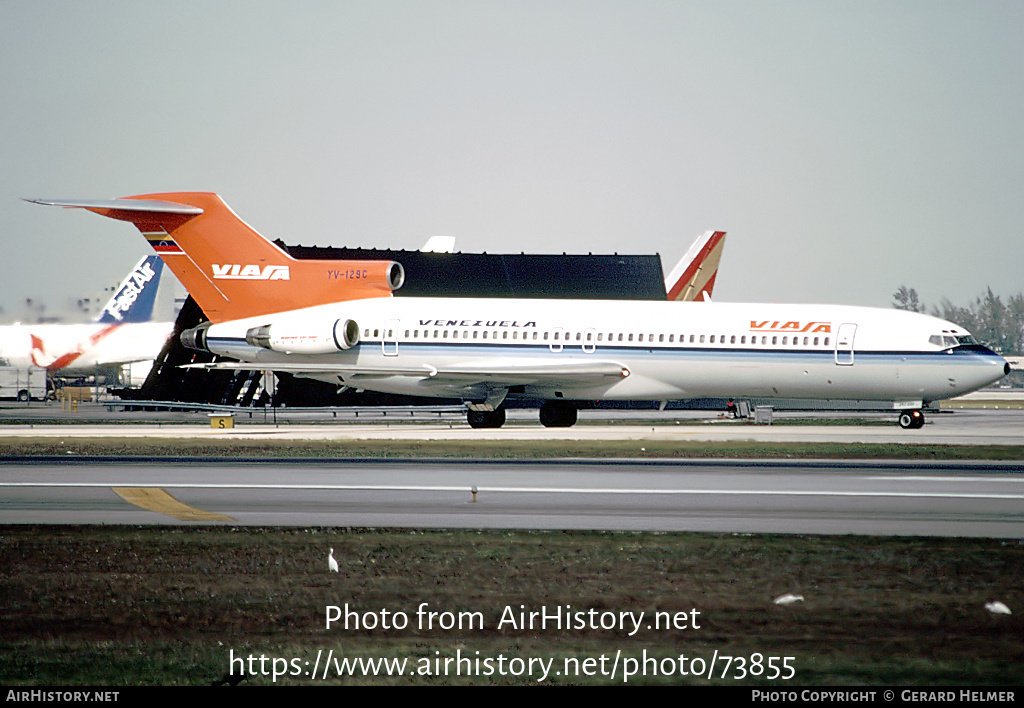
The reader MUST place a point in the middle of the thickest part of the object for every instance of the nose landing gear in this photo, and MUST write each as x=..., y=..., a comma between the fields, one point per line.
x=911, y=420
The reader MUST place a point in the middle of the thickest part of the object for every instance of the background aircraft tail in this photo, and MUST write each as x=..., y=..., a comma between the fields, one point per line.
x=231, y=270
x=693, y=278
x=133, y=301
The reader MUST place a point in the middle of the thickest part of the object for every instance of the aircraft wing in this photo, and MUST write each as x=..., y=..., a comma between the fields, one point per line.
x=492, y=373
x=517, y=373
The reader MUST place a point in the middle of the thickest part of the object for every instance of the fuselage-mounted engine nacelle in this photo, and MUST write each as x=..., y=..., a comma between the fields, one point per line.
x=195, y=338
x=305, y=338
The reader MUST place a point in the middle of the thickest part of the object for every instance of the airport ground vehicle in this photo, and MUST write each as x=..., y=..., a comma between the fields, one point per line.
x=22, y=383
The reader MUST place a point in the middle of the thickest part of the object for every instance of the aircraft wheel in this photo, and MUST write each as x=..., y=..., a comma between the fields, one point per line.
x=486, y=419
x=911, y=420
x=555, y=414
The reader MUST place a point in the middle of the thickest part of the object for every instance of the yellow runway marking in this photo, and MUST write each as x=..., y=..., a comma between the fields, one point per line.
x=156, y=499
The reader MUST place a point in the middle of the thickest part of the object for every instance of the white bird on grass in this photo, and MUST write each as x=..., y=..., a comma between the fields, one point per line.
x=997, y=608
x=331, y=563
x=788, y=599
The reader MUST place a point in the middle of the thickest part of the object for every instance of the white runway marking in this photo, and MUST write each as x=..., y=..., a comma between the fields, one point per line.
x=526, y=490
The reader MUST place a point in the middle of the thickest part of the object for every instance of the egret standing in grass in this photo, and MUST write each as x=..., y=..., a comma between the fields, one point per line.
x=331, y=563
x=788, y=599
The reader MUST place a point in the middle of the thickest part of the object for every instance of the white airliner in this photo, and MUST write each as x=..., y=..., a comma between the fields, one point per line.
x=122, y=334
x=272, y=312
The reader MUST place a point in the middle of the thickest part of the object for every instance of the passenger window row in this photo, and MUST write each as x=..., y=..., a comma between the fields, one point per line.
x=591, y=337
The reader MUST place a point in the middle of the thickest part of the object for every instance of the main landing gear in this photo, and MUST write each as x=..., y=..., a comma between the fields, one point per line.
x=486, y=419
x=558, y=414
x=911, y=420
x=553, y=414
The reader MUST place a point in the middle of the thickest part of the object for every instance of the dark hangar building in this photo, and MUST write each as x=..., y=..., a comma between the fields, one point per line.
x=522, y=275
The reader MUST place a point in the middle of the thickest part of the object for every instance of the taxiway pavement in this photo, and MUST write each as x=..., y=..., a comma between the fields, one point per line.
x=963, y=427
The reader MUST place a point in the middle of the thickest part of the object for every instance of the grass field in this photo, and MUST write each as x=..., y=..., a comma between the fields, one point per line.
x=126, y=606
x=498, y=449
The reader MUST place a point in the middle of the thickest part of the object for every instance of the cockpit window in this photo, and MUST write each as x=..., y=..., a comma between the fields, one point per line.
x=947, y=341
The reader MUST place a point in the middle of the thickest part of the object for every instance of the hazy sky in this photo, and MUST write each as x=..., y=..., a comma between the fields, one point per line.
x=846, y=147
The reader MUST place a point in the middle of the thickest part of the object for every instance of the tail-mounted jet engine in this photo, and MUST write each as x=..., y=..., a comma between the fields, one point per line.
x=305, y=338
x=195, y=338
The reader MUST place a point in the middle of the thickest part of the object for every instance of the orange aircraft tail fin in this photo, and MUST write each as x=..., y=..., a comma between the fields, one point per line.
x=231, y=270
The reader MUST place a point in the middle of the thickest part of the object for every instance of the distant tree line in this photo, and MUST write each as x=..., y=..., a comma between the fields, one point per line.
x=997, y=325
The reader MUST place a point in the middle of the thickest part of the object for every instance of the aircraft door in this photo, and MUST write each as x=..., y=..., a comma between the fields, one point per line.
x=556, y=343
x=589, y=339
x=390, y=339
x=844, y=344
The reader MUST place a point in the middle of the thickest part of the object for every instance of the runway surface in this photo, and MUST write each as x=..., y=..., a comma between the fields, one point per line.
x=957, y=499
x=929, y=499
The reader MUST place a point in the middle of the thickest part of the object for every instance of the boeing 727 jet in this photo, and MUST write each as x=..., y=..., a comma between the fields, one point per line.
x=338, y=323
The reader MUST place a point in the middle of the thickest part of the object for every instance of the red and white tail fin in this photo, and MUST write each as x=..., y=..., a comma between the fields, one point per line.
x=232, y=271
x=693, y=278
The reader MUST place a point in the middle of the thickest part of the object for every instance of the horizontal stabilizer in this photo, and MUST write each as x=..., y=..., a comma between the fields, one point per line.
x=134, y=205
